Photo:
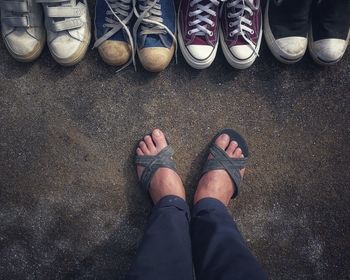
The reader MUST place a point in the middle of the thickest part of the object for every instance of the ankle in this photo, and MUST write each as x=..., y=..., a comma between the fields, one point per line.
x=166, y=182
x=211, y=186
x=206, y=193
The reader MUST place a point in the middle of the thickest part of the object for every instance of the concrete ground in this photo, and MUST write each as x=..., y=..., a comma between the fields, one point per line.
x=70, y=203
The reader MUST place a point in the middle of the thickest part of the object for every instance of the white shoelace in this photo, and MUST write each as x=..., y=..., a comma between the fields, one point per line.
x=201, y=14
x=151, y=21
x=120, y=10
x=241, y=24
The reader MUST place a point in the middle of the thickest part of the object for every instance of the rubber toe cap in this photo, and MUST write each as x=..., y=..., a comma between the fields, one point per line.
x=156, y=59
x=200, y=52
x=64, y=47
x=115, y=53
x=329, y=50
x=292, y=47
x=21, y=44
x=242, y=52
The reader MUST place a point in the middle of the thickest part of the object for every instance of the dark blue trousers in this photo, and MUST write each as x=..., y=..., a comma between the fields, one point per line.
x=210, y=238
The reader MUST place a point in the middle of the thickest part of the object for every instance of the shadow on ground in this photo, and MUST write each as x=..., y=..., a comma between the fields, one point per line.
x=70, y=204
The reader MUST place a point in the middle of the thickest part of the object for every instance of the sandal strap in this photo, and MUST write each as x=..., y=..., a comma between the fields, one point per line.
x=152, y=163
x=221, y=161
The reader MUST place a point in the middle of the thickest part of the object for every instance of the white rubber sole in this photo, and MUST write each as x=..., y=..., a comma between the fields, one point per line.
x=195, y=63
x=279, y=54
x=235, y=62
x=315, y=56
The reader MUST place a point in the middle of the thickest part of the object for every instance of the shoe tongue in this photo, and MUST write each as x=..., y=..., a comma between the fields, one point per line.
x=200, y=40
x=241, y=41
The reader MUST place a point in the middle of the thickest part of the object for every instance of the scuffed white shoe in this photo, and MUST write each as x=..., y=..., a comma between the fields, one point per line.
x=286, y=26
x=67, y=24
x=330, y=31
x=22, y=28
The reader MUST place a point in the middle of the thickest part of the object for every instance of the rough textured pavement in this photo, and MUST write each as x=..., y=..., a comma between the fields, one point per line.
x=70, y=204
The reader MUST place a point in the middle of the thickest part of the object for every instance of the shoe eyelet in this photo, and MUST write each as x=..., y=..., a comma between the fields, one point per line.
x=211, y=33
x=213, y=24
x=189, y=33
x=230, y=25
x=252, y=32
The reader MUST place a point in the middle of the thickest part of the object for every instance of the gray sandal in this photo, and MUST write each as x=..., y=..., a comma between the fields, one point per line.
x=221, y=161
x=152, y=163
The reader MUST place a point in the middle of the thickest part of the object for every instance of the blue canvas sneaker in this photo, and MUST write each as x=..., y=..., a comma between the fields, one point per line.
x=154, y=33
x=113, y=38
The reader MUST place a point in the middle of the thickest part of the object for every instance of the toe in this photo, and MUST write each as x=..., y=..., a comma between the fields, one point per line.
x=222, y=141
x=143, y=148
x=159, y=139
x=237, y=153
x=150, y=144
x=139, y=152
x=231, y=148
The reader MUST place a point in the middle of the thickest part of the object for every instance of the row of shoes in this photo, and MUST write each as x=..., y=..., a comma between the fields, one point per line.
x=290, y=26
x=147, y=28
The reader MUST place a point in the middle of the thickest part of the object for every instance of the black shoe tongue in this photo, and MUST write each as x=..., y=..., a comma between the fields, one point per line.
x=330, y=20
x=289, y=18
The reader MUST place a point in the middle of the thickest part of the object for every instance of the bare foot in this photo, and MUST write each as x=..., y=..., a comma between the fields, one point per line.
x=165, y=181
x=218, y=183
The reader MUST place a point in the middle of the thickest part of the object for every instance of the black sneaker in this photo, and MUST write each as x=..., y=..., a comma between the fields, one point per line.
x=286, y=28
x=330, y=30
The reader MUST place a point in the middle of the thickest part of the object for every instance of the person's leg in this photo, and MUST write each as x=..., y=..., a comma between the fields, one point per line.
x=219, y=251
x=165, y=250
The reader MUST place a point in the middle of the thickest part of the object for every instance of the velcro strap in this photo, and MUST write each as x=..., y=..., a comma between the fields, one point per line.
x=16, y=21
x=67, y=24
x=63, y=12
x=50, y=1
x=15, y=6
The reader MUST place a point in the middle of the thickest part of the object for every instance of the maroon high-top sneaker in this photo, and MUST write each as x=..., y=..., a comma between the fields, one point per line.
x=241, y=32
x=198, y=26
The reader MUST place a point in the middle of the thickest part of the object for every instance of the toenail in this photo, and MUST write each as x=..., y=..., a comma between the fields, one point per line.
x=234, y=143
x=225, y=137
x=156, y=132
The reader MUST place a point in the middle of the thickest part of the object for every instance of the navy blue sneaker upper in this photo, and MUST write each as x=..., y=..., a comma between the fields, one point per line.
x=154, y=35
x=106, y=24
x=289, y=18
x=331, y=19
